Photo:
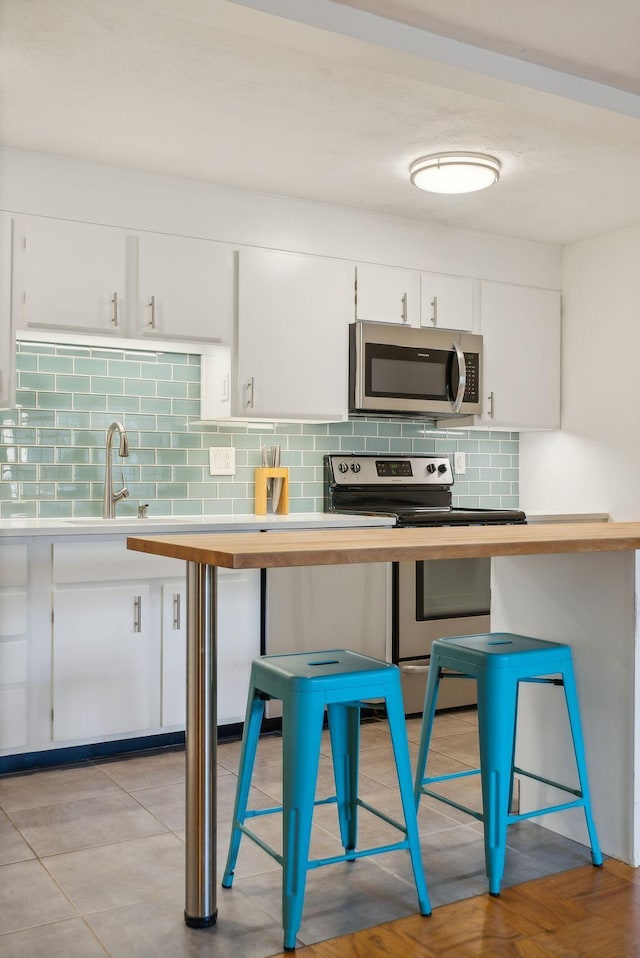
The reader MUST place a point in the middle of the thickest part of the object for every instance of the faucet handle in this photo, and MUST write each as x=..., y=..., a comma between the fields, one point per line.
x=142, y=511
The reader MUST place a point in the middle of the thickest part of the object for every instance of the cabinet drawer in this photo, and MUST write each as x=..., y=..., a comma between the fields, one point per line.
x=109, y=562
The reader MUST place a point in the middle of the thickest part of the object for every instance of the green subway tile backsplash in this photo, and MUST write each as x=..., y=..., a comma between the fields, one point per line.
x=52, y=445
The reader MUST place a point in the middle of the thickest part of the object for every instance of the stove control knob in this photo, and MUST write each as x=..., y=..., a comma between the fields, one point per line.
x=355, y=467
x=343, y=467
x=442, y=468
x=431, y=468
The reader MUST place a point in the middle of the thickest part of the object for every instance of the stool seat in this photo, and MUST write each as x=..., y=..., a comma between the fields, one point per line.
x=307, y=683
x=499, y=662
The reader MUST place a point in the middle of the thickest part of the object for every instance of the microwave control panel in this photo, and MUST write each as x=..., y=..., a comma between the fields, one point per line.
x=472, y=362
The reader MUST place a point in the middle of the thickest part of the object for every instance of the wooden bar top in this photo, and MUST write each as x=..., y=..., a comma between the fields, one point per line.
x=257, y=550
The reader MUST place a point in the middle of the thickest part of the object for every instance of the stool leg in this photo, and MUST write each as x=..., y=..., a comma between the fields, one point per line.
x=573, y=708
x=398, y=732
x=250, y=735
x=344, y=728
x=496, y=730
x=301, y=734
x=431, y=697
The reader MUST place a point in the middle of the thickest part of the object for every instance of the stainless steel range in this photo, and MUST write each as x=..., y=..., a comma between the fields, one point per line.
x=431, y=599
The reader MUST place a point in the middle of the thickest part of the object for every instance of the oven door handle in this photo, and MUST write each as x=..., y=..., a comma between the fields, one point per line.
x=462, y=377
x=415, y=668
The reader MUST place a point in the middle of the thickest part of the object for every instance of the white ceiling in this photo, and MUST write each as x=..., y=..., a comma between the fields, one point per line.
x=328, y=103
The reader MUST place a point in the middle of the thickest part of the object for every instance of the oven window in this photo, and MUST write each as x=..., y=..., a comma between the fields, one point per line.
x=452, y=588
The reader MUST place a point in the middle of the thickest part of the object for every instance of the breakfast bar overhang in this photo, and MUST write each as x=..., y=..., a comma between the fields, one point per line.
x=574, y=583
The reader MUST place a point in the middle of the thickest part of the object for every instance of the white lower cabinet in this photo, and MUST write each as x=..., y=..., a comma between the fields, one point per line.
x=238, y=645
x=174, y=653
x=13, y=646
x=93, y=643
x=102, y=661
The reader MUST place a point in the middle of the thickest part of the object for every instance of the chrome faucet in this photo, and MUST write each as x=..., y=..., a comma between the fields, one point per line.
x=111, y=497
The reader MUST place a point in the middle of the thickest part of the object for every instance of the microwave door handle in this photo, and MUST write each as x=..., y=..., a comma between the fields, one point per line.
x=462, y=378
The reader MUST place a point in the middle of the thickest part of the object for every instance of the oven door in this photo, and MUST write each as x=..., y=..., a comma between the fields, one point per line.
x=436, y=599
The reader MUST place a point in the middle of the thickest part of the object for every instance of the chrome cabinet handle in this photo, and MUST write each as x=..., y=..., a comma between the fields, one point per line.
x=462, y=380
x=413, y=669
x=404, y=314
x=490, y=409
x=176, y=611
x=115, y=322
x=152, y=316
x=434, y=314
x=224, y=392
x=248, y=393
x=137, y=613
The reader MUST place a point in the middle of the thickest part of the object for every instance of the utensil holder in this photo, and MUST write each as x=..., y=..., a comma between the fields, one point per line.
x=262, y=474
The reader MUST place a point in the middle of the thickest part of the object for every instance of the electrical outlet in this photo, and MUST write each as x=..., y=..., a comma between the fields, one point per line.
x=222, y=461
x=460, y=463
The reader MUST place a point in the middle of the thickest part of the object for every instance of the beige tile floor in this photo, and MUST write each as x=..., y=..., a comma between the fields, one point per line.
x=92, y=856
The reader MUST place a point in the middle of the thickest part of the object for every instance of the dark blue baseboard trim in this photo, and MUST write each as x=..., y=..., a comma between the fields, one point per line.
x=28, y=761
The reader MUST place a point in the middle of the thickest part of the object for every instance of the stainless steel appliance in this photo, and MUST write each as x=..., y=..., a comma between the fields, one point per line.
x=408, y=371
x=433, y=598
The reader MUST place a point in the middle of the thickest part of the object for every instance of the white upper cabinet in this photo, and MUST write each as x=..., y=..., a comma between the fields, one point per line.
x=387, y=294
x=520, y=326
x=81, y=277
x=293, y=317
x=73, y=276
x=7, y=335
x=185, y=288
x=446, y=301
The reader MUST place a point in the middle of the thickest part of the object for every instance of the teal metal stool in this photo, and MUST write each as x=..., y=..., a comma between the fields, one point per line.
x=498, y=662
x=306, y=683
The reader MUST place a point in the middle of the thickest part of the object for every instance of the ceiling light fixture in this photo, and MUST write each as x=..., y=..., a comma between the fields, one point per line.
x=454, y=172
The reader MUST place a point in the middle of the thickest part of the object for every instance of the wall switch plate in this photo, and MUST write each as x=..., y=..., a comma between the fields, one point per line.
x=222, y=461
x=460, y=463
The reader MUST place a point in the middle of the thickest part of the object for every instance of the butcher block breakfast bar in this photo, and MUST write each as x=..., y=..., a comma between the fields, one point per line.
x=568, y=582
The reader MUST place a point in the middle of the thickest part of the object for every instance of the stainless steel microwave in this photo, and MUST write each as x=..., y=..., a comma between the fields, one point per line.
x=404, y=370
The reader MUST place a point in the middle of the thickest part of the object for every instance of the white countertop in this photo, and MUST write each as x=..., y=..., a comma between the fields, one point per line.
x=157, y=524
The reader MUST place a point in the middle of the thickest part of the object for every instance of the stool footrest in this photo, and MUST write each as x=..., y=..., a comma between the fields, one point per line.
x=353, y=854
x=332, y=800
x=454, y=804
x=522, y=816
x=548, y=781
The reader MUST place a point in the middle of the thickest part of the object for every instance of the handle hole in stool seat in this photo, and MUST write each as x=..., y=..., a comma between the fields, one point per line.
x=500, y=642
x=326, y=662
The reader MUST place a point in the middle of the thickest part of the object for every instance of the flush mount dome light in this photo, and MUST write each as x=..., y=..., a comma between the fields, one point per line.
x=454, y=172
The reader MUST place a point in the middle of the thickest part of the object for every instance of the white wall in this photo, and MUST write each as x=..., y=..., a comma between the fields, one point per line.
x=72, y=189
x=593, y=464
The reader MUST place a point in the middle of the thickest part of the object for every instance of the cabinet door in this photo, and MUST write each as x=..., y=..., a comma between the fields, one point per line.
x=293, y=315
x=185, y=288
x=101, y=662
x=13, y=646
x=238, y=645
x=174, y=653
x=329, y=607
x=386, y=294
x=446, y=301
x=7, y=335
x=74, y=276
x=521, y=332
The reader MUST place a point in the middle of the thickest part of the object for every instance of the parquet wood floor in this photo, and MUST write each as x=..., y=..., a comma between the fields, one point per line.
x=583, y=913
